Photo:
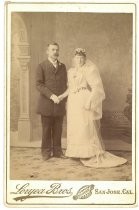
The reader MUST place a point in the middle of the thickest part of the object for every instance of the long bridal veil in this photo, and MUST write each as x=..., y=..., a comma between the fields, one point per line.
x=97, y=96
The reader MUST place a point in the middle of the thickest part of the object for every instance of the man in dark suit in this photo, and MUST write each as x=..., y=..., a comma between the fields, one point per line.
x=51, y=81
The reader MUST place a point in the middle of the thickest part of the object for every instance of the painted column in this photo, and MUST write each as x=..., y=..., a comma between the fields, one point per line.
x=24, y=123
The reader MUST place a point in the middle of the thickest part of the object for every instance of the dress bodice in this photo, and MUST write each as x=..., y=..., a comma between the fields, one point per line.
x=84, y=77
x=76, y=79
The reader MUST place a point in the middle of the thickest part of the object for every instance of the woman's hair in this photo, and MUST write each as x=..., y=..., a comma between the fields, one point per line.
x=80, y=51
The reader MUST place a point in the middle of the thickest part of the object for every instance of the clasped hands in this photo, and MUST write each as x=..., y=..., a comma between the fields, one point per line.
x=56, y=99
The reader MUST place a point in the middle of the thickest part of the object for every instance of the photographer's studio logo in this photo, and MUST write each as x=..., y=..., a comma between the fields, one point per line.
x=84, y=192
x=24, y=192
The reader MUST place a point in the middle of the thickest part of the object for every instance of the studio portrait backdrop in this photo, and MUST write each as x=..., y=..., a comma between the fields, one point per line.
x=107, y=39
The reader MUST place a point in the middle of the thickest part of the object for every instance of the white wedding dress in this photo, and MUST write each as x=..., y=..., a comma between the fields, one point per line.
x=84, y=110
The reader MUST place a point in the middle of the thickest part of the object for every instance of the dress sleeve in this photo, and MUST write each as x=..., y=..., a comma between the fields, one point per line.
x=97, y=94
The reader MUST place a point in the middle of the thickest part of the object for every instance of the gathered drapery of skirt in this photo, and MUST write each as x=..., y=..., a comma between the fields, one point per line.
x=83, y=134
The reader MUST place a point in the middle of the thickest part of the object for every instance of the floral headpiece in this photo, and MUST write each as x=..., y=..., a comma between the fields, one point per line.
x=80, y=51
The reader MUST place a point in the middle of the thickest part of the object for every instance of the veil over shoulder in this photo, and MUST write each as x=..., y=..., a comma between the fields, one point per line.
x=97, y=94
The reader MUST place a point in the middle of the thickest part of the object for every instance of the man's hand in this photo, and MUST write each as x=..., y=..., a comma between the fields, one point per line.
x=55, y=99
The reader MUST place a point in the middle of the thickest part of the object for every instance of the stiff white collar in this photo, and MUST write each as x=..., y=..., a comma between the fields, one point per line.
x=53, y=62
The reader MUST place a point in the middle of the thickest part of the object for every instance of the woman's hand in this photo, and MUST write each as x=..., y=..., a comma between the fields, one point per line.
x=87, y=105
x=60, y=97
x=88, y=102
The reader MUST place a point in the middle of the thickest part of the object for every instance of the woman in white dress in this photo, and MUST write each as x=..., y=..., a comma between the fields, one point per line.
x=84, y=110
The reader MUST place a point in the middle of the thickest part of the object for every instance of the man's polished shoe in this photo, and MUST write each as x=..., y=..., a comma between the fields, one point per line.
x=63, y=157
x=59, y=155
x=46, y=157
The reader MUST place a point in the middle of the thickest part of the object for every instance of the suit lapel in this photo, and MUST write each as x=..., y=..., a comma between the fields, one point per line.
x=52, y=68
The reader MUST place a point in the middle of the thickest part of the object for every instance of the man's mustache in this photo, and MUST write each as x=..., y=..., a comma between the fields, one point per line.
x=56, y=54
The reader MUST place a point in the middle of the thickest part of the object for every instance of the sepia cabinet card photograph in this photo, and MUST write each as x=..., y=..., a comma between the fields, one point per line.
x=70, y=90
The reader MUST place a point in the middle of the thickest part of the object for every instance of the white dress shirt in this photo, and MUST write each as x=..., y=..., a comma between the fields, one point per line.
x=55, y=63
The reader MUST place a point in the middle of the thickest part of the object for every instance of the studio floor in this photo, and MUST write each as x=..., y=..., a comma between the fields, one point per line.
x=27, y=164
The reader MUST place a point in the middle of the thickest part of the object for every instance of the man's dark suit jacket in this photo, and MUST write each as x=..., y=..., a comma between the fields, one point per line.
x=51, y=80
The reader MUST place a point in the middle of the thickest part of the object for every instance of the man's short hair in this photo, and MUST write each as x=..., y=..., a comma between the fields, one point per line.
x=53, y=43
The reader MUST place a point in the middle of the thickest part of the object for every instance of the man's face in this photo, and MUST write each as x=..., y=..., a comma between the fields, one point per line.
x=53, y=51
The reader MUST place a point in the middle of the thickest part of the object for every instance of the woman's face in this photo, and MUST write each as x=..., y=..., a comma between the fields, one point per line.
x=79, y=60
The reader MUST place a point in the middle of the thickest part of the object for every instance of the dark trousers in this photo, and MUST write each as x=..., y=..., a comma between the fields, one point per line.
x=51, y=135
